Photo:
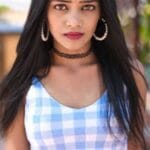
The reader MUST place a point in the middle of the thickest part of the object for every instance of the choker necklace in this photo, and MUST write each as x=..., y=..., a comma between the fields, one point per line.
x=72, y=56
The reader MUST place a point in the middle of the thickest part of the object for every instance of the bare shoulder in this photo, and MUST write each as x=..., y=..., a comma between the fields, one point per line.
x=137, y=65
x=139, y=75
x=15, y=138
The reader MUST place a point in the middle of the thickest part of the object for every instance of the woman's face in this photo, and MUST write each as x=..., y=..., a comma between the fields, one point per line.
x=72, y=23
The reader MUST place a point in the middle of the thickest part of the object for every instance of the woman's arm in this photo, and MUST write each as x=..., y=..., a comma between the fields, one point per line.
x=143, y=90
x=15, y=138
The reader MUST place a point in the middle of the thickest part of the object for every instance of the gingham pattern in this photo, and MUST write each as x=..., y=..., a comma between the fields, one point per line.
x=53, y=126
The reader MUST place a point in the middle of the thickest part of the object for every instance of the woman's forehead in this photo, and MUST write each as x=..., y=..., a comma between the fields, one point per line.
x=80, y=1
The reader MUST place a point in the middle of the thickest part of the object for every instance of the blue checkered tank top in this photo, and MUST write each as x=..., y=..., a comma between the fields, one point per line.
x=51, y=125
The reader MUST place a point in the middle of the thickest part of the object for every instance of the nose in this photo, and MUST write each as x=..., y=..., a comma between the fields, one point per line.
x=73, y=20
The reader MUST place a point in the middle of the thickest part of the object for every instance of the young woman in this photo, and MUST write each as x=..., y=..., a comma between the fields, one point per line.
x=74, y=84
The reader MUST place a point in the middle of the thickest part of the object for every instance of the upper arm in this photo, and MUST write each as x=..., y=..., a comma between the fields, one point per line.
x=142, y=88
x=140, y=82
x=15, y=138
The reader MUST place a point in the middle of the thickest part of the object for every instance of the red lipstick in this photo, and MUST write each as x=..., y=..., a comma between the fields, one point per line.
x=74, y=35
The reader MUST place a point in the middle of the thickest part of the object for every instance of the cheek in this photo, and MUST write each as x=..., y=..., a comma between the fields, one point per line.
x=51, y=20
x=52, y=23
x=92, y=26
x=92, y=20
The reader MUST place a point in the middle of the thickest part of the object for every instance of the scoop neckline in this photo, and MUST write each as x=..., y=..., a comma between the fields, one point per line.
x=69, y=107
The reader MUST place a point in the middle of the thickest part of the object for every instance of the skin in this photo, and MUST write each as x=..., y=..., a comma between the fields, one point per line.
x=66, y=75
x=143, y=90
x=16, y=136
x=64, y=17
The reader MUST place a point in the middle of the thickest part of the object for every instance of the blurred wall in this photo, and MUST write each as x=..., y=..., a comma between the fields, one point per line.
x=8, y=43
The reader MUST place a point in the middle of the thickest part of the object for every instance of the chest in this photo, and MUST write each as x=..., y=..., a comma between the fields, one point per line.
x=75, y=89
x=49, y=125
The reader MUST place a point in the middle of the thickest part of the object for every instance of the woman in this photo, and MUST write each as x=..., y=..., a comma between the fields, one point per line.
x=74, y=84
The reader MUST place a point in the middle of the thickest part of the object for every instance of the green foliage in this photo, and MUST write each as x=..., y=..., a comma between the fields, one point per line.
x=145, y=34
x=3, y=8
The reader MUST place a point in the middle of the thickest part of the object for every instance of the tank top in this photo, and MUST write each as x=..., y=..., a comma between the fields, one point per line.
x=50, y=125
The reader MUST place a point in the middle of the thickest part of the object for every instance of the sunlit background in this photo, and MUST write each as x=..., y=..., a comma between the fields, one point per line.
x=16, y=4
x=134, y=16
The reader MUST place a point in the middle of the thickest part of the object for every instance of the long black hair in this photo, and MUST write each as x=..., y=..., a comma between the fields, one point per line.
x=113, y=55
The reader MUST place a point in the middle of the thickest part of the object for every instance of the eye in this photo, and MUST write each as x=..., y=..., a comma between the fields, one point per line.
x=88, y=7
x=60, y=7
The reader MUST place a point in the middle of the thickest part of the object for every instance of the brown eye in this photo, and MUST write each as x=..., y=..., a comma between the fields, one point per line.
x=88, y=7
x=60, y=7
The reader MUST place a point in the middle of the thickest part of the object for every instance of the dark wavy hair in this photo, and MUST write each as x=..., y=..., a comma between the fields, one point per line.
x=113, y=55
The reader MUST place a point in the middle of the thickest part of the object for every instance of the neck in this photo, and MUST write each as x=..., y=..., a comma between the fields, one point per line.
x=73, y=63
x=72, y=56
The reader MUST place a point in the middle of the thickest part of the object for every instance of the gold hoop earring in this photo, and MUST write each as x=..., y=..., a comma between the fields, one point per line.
x=105, y=33
x=43, y=36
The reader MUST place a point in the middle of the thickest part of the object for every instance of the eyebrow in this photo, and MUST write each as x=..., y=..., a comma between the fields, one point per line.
x=82, y=1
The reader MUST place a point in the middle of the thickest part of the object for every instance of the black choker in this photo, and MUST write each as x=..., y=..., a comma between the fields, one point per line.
x=72, y=56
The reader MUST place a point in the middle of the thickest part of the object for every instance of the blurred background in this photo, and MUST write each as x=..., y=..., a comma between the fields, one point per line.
x=135, y=19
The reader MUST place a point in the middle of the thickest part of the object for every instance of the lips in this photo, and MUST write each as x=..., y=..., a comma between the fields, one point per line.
x=74, y=35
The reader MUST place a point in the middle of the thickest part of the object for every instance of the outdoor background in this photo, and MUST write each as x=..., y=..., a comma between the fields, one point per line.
x=134, y=16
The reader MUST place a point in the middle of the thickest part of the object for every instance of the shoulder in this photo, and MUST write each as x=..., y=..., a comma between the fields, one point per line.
x=137, y=65
x=34, y=91
x=139, y=76
x=138, y=73
x=35, y=87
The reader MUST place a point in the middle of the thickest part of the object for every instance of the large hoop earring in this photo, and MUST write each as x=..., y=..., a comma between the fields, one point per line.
x=43, y=29
x=105, y=33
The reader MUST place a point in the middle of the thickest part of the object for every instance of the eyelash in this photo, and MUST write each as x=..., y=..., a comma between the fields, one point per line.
x=64, y=8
